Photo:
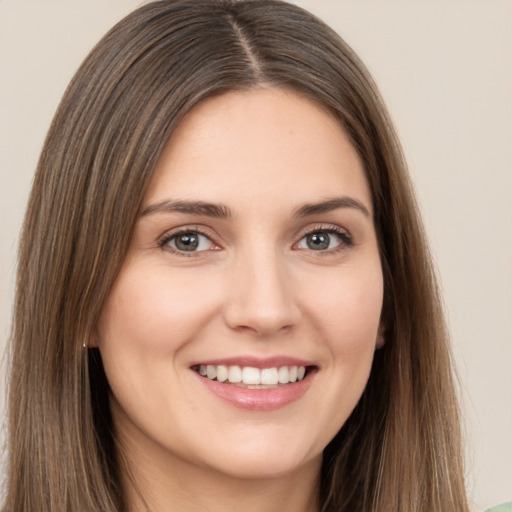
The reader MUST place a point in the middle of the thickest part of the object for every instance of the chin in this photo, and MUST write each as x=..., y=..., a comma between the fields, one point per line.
x=263, y=468
x=265, y=458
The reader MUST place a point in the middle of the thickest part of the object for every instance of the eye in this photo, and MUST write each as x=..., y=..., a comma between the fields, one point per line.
x=324, y=240
x=188, y=241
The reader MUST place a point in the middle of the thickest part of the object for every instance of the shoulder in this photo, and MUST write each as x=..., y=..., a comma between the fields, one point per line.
x=504, y=507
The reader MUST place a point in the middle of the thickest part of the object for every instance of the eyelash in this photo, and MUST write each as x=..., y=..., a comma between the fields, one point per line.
x=346, y=240
x=167, y=237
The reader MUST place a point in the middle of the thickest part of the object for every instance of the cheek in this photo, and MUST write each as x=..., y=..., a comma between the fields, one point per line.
x=149, y=317
x=157, y=310
x=347, y=309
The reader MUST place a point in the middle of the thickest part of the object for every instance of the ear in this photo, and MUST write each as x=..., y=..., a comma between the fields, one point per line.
x=93, y=341
x=381, y=340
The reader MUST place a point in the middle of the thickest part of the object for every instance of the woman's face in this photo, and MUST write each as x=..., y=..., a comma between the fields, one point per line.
x=254, y=257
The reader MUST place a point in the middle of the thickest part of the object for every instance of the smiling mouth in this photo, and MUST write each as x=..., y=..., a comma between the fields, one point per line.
x=253, y=378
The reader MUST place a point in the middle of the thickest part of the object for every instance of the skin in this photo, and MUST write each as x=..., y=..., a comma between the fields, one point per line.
x=255, y=287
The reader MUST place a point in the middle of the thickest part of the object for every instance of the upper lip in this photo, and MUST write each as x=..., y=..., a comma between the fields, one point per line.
x=255, y=362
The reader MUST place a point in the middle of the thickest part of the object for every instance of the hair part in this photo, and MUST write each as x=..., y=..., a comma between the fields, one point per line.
x=400, y=450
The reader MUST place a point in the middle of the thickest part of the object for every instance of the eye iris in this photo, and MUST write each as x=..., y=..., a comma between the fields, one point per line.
x=187, y=242
x=318, y=241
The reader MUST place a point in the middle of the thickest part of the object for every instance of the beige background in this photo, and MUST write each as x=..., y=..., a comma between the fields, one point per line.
x=445, y=70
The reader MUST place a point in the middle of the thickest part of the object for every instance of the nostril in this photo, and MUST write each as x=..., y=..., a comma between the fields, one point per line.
x=262, y=304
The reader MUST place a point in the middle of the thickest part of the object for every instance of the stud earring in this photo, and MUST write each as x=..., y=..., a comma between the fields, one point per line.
x=381, y=340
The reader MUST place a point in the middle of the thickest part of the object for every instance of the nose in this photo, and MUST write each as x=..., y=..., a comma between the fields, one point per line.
x=261, y=296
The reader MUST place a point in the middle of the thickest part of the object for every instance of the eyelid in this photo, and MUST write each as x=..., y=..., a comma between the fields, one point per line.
x=335, y=228
x=342, y=233
x=174, y=232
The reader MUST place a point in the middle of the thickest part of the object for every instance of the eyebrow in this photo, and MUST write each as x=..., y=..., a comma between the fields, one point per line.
x=331, y=204
x=191, y=207
x=221, y=211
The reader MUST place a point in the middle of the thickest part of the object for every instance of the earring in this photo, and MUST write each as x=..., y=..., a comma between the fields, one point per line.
x=84, y=345
x=381, y=340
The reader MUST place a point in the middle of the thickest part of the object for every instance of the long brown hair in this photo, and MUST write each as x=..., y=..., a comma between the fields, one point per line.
x=400, y=450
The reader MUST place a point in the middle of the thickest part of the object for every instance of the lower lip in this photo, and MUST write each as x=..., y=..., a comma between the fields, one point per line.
x=259, y=399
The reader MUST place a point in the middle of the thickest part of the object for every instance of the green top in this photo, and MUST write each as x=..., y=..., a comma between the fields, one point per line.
x=504, y=507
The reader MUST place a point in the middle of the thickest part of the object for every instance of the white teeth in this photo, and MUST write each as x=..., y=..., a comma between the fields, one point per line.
x=251, y=376
x=269, y=376
x=283, y=375
x=211, y=371
x=222, y=373
x=235, y=374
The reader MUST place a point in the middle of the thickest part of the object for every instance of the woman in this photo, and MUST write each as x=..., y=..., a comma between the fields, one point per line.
x=190, y=330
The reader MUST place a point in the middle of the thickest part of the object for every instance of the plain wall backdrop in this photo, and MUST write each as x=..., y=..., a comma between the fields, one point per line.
x=445, y=71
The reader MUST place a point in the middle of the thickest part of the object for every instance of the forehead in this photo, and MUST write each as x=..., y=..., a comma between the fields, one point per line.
x=264, y=143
